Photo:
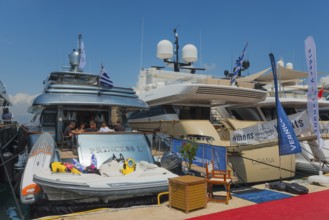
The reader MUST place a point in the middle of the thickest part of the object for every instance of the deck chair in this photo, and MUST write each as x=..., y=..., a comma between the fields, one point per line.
x=218, y=177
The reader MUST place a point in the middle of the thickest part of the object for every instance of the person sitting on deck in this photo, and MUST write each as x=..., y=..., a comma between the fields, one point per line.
x=68, y=133
x=119, y=127
x=92, y=126
x=68, y=130
x=81, y=128
x=105, y=128
x=7, y=115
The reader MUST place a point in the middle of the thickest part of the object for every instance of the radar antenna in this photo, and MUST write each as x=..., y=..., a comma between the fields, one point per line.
x=189, y=53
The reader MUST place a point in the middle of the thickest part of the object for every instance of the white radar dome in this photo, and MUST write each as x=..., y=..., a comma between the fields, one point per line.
x=280, y=63
x=165, y=49
x=74, y=58
x=289, y=66
x=190, y=53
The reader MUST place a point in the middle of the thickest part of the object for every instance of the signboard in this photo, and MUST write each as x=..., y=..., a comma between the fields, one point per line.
x=105, y=146
x=266, y=131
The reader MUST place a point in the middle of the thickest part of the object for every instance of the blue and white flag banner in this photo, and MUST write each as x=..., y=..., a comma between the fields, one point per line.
x=104, y=78
x=312, y=92
x=82, y=61
x=288, y=142
x=238, y=65
x=205, y=153
x=267, y=131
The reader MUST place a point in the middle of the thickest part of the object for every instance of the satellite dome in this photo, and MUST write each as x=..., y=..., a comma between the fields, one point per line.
x=74, y=58
x=280, y=63
x=289, y=66
x=190, y=53
x=165, y=49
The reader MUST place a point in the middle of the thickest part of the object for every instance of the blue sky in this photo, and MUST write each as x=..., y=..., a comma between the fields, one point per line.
x=36, y=36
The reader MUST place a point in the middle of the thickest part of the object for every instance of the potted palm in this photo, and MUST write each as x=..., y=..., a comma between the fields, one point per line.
x=188, y=152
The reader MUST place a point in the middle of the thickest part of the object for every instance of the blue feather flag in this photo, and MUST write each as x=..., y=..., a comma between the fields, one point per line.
x=288, y=142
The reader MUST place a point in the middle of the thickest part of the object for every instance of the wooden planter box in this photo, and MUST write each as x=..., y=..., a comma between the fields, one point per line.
x=187, y=193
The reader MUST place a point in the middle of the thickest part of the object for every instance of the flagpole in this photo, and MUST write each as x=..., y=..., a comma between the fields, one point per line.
x=99, y=80
x=238, y=65
x=277, y=91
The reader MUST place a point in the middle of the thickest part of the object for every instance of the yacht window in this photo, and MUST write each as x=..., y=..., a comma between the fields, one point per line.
x=201, y=113
x=324, y=115
x=49, y=118
x=153, y=111
x=290, y=111
x=270, y=113
x=169, y=109
x=248, y=113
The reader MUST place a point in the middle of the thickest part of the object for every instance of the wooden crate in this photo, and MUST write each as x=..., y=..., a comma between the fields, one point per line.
x=187, y=193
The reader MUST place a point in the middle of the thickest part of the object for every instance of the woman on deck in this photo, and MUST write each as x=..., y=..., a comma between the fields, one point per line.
x=105, y=128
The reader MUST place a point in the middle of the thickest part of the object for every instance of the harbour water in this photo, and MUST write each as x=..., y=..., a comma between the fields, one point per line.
x=8, y=209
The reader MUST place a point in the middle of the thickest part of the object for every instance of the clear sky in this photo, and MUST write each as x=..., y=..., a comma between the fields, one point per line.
x=36, y=36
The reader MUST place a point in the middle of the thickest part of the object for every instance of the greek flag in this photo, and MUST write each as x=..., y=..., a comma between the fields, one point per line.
x=288, y=142
x=104, y=79
x=238, y=65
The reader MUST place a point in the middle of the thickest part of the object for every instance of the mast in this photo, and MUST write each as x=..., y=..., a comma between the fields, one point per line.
x=176, y=62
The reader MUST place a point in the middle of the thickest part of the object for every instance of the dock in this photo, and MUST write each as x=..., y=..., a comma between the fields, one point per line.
x=165, y=212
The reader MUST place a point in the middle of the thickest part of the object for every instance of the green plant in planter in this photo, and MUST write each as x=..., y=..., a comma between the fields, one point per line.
x=188, y=152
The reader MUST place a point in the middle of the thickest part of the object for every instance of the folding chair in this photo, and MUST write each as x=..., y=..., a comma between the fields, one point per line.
x=218, y=177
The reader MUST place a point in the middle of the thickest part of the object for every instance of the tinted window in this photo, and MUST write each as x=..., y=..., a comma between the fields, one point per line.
x=250, y=114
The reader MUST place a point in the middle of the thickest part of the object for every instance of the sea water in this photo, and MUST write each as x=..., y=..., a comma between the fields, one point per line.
x=8, y=209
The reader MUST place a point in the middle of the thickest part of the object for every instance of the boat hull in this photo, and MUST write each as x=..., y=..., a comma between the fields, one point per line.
x=262, y=164
x=94, y=187
x=250, y=164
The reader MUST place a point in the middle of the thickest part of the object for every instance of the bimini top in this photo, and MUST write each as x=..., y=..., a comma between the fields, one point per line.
x=4, y=98
x=82, y=89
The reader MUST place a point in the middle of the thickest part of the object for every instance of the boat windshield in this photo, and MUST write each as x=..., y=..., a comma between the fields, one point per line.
x=153, y=111
x=106, y=146
x=197, y=113
x=73, y=78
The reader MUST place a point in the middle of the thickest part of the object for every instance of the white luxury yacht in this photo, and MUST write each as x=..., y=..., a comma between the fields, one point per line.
x=87, y=166
x=181, y=105
x=293, y=98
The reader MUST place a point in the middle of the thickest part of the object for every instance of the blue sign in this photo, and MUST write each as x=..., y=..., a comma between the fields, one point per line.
x=205, y=153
